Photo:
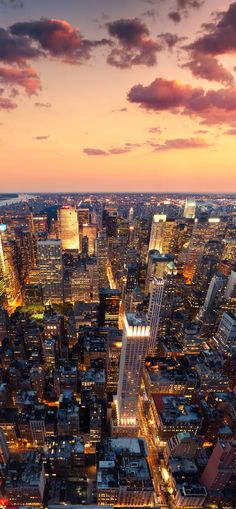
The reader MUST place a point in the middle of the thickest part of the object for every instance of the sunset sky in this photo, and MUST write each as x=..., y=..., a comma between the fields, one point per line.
x=117, y=95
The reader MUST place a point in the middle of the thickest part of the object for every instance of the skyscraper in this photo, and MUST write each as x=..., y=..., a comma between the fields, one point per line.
x=154, y=308
x=50, y=267
x=135, y=344
x=109, y=307
x=162, y=233
x=190, y=208
x=69, y=229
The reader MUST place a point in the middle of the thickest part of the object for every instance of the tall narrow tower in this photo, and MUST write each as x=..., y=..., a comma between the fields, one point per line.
x=69, y=228
x=154, y=308
x=135, y=344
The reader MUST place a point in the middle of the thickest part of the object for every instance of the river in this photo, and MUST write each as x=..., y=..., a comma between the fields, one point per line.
x=20, y=198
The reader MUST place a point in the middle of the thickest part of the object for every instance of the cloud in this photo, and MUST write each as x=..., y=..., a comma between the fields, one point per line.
x=134, y=46
x=174, y=16
x=113, y=151
x=201, y=131
x=14, y=49
x=189, y=4
x=170, y=40
x=211, y=106
x=219, y=38
x=232, y=131
x=23, y=77
x=181, y=144
x=149, y=13
x=95, y=152
x=7, y=104
x=208, y=67
x=58, y=38
x=13, y=3
x=154, y=130
x=41, y=138
x=120, y=110
x=43, y=105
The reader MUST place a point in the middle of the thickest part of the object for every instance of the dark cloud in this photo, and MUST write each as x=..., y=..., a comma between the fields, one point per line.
x=207, y=67
x=149, y=13
x=58, y=38
x=154, y=130
x=219, y=38
x=134, y=46
x=14, y=49
x=118, y=151
x=211, y=106
x=7, y=104
x=43, y=105
x=189, y=4
x=174, y=16
x=41, y=138
x=170, y=40
x=181, y=144
x=95, y=152
x=18, y=4
x=23, y=77
x=120, y=110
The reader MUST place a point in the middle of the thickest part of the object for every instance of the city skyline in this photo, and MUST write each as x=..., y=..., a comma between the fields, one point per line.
x=135, y=96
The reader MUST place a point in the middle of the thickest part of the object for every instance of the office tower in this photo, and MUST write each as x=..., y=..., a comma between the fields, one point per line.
x=4, y=320
x=109, y=221
x=162, y=234
x=49, y=353
x=83, y=218
x=231, y=285
x=109, y=307
x=204, y=230
x=225, y=336
x=69, y=228
x=37, y=379
x=131, y=215
x=10, y=282
x=50, y=267
x=135, y=345
x=40, y=224
x=154, y=308
x=190, y=208
x=156, y=266
x=4, y=451
x=132, y=278
x=90, y=231
x=220, y=467
x=215, y=286
x=102, y=259
x=114, y=344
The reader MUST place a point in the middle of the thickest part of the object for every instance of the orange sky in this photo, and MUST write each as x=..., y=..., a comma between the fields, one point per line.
x=71, y=135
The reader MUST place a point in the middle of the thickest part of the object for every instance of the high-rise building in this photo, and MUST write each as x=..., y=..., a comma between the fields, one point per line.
x=50, y=266
x=102, y=259
x=190, y=208
x=215, y=286
x=154, y=308
x=135, y=345
x=225, y=336
x=109, y=307
x=69, y=228
x=4, y=451
x=156, y=267
x=162, y=234
x=109, y=221
x=9, y=276
x=231, y=285
x=220, y=467
x=90, y=231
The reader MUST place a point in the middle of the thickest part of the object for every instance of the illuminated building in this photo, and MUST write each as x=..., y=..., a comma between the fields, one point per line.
x=114, y=342
x=135, y=345
x=49, y=353
x=9, y=276
x=102, y=259
x=220, y=467
x=224, y=339
x=162, y=234
x=50, y=267
x=4, y=451
x=90, y=231
x=190, y=208
x=231, y=285
x=156, y=267
x=25, y=481
x=40, y=224
x=109, y=307
x=3, y=324
x=69, y=228
x=215, y=286
x=154, y=308
x=109, y=221
x=83, y=218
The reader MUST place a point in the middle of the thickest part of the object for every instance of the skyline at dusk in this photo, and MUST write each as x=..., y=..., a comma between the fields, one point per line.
x=100, y=95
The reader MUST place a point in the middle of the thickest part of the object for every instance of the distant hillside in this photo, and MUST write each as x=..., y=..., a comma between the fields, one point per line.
x=8, y=196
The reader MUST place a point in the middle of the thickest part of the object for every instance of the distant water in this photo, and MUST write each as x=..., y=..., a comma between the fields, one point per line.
x=20, y=198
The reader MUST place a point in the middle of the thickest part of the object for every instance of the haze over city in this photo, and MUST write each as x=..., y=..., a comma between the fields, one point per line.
x=135, y=95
